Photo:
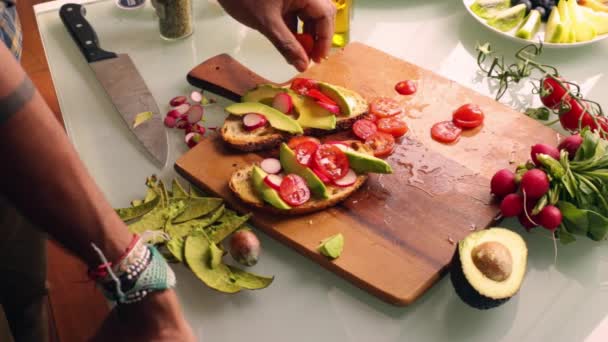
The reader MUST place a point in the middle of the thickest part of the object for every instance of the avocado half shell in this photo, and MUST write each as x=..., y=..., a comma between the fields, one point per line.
x=488, y=267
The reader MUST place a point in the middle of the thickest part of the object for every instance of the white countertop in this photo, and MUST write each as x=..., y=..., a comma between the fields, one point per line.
x=566, y=301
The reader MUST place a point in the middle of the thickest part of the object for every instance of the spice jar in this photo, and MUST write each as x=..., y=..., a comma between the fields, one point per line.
x=175, y=18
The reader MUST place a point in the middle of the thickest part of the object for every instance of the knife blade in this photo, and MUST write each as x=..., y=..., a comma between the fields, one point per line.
x=121, y=81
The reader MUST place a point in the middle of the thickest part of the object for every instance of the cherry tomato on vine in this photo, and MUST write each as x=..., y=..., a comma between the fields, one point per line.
x=572, y=116
x=552, y=93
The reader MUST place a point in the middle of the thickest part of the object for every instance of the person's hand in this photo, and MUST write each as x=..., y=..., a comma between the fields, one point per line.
x=157, y=318
x=277, y=20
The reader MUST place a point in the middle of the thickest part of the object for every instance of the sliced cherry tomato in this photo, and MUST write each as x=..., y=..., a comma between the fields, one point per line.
x=331, y=161
x=407, y=87
x=304, y=152
x=364, y=129
x=468, y=116
x=295, y=141
x=319, y=96
x=552, y=93
x=384, y=107
x=371, y=117
x=303, y=85
x=445, y=132
x=294, y=190
x=394, y=126
x=570, y=117
x=381, y=143
x=321, y=176
x=306, y=41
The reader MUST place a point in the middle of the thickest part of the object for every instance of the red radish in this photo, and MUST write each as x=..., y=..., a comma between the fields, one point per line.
x=512, y=205
x=174, y=113
x=196, y=96
x=271, y=165
x=534, y=184
x=195, y=114
x=253, y=121
x=182, y=109
x=332, y=108
x=170, y=121
x=525, y=221
x=196, y=128
x=321, y=176
x=283, y=103
x=550, y=217
x=543, y=149
x=273, y=181
x=348, y=180
x=192, y=139
x=178, y=100
x=571, y=144
x=503, y=183
x=182, y=124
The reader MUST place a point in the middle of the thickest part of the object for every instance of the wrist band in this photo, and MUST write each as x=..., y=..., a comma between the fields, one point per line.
x=139, y=272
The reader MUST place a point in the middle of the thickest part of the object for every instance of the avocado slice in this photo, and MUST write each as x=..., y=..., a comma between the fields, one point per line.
x=365, y=163
x=262, y=93
x=276, y=119
x=338, y=97
x=311, y=115
x=291, y=165
x=489, y=267
x=268, y=194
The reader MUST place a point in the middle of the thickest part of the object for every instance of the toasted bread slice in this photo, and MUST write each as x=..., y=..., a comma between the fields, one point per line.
x=240, y=184
x=235, y=135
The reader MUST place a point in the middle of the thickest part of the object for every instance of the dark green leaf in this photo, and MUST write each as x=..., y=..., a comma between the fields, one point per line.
x=541, y=113
x=565, y=237
x=598, y=226
x=574, y=219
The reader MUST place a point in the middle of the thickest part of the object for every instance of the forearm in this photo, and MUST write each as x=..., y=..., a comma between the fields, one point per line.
x=43, y=176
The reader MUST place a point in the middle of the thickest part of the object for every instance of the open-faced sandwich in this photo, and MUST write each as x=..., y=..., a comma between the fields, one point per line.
x=308, y=176
x=269, y=115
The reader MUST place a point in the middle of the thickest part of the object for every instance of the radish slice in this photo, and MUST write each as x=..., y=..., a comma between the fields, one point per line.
x=271, y=165
x=170, y=121
x=178, y=100
x=174, y=113
x=321, y=176
x=196, y=128
x=273, y=181
x=348, y=180
x=182, y=109
x=334, y=109
x=195, y=114
x=253, y=121
x=192, y=139
x=283, y=103
x=182, y=124
x=196, y=96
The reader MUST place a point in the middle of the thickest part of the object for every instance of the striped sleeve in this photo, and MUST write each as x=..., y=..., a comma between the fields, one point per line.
x=10, y=30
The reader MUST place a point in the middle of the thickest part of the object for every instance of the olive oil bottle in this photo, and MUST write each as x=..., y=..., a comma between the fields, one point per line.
x=344, y=10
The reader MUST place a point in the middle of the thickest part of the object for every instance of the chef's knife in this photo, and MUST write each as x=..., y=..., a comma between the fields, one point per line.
x=121, y=80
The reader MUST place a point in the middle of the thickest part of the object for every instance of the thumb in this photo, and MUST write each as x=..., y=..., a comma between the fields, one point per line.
x=285, y=41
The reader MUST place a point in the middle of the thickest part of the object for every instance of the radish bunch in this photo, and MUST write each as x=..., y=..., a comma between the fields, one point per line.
x=527, y=193
x=187, y=113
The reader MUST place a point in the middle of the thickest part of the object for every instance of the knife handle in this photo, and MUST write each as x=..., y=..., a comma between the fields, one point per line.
x=83, y=33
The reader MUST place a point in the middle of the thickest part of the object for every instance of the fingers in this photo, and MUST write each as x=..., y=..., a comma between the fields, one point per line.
x=319, y=19
x=285, y=41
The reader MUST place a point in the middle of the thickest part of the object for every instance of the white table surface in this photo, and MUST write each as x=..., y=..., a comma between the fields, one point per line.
x=566, y=301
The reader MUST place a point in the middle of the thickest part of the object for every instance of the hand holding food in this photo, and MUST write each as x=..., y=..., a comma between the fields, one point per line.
x=277, y=20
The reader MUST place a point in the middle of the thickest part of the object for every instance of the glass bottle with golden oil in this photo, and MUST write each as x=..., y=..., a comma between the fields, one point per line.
x=344, y=10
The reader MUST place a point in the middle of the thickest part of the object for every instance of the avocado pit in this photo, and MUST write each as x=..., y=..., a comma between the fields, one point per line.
x=493, y=260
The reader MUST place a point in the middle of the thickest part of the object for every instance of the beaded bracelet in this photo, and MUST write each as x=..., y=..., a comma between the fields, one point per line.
x=139, y=272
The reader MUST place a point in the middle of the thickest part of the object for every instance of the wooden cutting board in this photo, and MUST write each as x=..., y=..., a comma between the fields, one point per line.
x=400, y=230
